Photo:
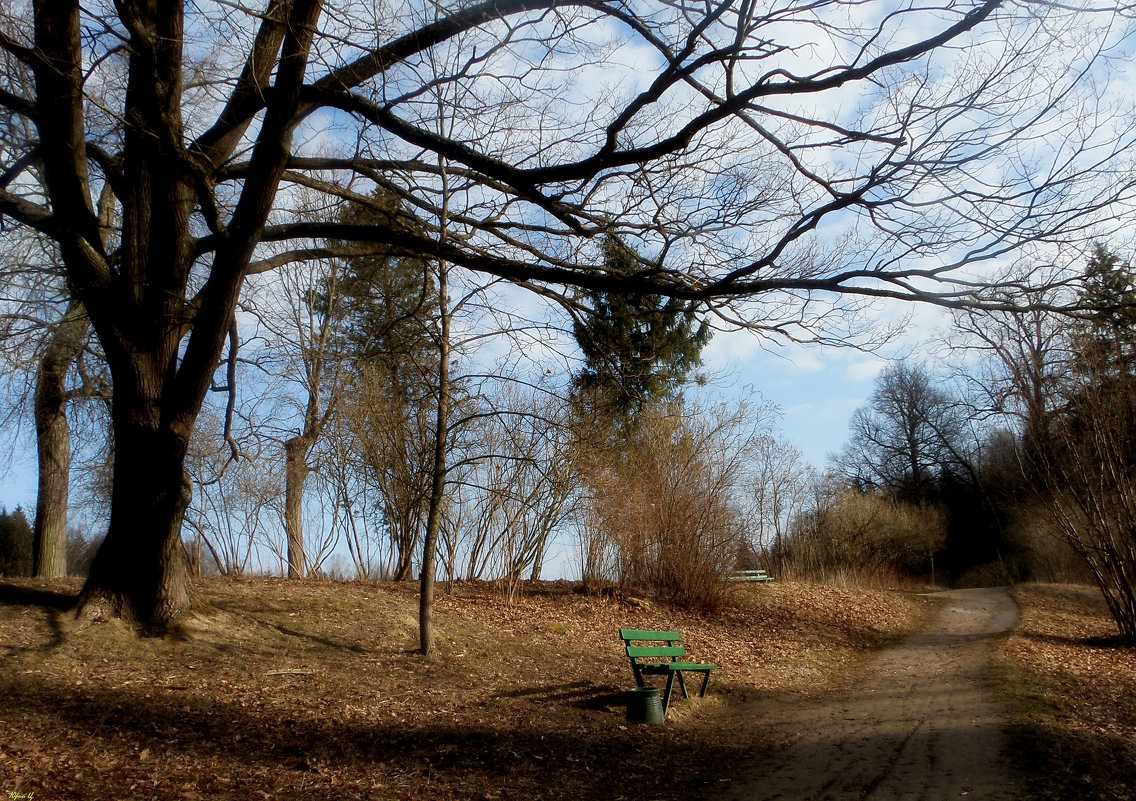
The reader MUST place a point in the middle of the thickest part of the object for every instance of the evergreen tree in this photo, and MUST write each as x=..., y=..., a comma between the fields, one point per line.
x=1107, y=346
x=638, y=349
x=385, y=302
x=15, y=543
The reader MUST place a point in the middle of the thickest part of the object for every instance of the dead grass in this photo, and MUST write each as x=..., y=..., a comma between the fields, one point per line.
x=283, y=689
x=1074, y=685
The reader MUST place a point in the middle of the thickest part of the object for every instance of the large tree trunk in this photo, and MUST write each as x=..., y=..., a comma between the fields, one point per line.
x=140, y=570
x=162, y=329
x=53, y=442
x=295, y=475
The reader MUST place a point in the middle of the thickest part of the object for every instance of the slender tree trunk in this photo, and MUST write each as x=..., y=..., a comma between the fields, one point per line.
x=295, y=475
x=53, y=442
x=538, y=561
x=405, y=540
x=438, y=475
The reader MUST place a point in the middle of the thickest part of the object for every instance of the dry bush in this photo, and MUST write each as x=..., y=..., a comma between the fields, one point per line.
x=661, y=509
x=856, y=537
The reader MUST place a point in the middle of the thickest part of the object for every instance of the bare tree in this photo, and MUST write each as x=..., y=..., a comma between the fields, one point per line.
x=780, y=484
x=522, y=482
x=233, y=500
x=198, y=146
x=46, y=339
x=298, y=314
x=1091, y=491
x=1088, y=472
x=389, y=433
x=1018, y=360
x=905, y=438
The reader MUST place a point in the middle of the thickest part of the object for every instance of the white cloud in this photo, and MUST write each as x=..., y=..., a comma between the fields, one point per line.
x=865, y=369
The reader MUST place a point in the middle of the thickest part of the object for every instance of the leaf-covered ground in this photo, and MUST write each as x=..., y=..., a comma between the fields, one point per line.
x=284, y=689
x=1075, y=688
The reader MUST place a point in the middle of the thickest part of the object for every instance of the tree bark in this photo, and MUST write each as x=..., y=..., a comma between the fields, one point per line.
x=140, y=571
x=438, y=476
x=162, y=345
x=295, y=475
x=53, y=443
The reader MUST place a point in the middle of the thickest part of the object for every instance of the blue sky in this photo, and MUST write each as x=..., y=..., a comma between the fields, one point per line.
x=816, y=387
x=17, y=483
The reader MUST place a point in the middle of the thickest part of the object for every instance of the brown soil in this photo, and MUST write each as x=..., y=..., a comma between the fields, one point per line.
x=922, y=723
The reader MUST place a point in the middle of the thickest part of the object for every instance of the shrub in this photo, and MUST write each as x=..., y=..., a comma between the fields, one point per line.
x=661, y=511
x=861, y=536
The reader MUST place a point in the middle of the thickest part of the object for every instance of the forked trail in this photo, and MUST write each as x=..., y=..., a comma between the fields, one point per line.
x=922, y=724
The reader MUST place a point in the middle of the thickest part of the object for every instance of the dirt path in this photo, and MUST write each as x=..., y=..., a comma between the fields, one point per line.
x=921, y=724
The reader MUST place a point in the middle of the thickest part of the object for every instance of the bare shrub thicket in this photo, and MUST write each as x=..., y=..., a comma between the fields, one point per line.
x=1087, y=469
x=863, y=537
x=1091, y=490
x=231, y=514
x=664, y=509
x=509, y=487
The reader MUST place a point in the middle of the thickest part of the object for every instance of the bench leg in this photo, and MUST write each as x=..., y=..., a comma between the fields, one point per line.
x=705, y=681
x=682, y=684
x=667, y=692
x=639, y=680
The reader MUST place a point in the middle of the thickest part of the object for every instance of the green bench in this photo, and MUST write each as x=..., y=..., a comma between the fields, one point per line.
x=749, y=575
x=662, y=660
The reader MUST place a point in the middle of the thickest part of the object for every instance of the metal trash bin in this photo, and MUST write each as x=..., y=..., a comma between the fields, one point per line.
x=644, y=705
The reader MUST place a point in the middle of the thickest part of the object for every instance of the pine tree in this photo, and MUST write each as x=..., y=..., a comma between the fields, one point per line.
x=386, y=302
x=1107, y=348
x=638, y=349
x=15, y=543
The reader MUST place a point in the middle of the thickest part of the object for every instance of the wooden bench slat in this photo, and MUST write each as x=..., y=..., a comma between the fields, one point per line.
x=663, y=667
x=749, y=575
x=650, y=635
x=706, y=666
x=641, y=651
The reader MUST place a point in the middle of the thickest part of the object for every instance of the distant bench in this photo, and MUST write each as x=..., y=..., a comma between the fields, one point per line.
x=652, y=660
x=749, y=575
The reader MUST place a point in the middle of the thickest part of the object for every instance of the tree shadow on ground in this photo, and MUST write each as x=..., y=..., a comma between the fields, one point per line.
x=581, y=694
x=15, y=595
x=54, y=604
x=1107, y=642
x=232, y=750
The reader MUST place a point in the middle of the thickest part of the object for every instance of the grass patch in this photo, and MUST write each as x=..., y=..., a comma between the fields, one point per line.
x=312, y=689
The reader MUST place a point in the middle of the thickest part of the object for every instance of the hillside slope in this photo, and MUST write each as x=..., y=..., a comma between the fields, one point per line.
x=283, y=689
